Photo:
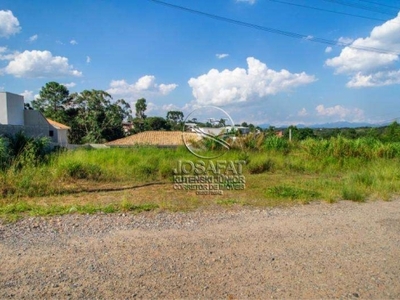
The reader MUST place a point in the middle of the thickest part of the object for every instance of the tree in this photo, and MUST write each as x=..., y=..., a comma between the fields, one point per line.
x=270, y=131
x=95, y=119
x=293, y=132
x=141, y=107
x=52, y=100
x=156, y=123
x=392, y=133
x=222, y=122
x=175, y=118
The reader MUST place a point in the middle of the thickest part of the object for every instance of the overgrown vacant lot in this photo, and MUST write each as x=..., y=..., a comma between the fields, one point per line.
x=141, y=178
x=186, y=245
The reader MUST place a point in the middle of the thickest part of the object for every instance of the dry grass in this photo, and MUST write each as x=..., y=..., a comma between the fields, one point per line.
x=155, y=138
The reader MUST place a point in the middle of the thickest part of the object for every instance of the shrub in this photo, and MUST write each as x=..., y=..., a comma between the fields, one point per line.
x=4, y=154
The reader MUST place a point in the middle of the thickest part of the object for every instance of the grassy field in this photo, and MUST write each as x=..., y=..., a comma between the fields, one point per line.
x=141, y=178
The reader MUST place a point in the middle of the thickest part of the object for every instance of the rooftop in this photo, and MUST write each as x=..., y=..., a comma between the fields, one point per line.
x=154, y=138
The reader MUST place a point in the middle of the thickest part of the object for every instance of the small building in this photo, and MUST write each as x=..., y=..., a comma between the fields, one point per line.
x=58, y=133
x=15, y=118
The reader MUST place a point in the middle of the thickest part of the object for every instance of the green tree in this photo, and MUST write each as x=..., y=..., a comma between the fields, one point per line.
x=350, y=133
x=141, y=107
x=156, y=123
x=53, y=97
x=392, y=133
x=96, y=118
x=294, y=132
x=305, y=133
x=175, y=119
x=271, y=131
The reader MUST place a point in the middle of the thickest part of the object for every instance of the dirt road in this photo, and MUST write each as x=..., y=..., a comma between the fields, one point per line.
x=342, y=250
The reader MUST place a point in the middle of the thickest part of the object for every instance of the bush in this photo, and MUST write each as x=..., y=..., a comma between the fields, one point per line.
x=4, y=154
x=20, y=150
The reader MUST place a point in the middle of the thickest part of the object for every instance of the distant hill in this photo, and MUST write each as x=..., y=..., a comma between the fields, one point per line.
x=333, y=125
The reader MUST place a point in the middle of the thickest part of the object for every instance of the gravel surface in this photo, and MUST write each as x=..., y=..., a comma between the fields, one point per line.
x=342, y=250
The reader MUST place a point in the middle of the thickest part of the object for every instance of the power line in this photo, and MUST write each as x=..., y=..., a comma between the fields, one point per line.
x=360, y=7
x=327, y=10
x=380, y=4
x=276, y=31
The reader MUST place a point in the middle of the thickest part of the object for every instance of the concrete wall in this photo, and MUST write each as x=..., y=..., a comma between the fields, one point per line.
x=34, y=117
x=32, y=131
x=11, y=109
x=61, y=136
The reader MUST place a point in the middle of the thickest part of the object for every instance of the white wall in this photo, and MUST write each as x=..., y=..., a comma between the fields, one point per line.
x=62, y=137
x=11, y=109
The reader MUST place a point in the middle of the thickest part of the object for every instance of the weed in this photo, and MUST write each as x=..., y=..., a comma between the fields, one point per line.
x=290, y=192
x=78, y=170
x=227, y=202
x=353, y=193
x=260, y=165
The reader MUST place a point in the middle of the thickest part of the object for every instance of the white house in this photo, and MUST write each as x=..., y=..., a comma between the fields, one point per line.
x=14, y=118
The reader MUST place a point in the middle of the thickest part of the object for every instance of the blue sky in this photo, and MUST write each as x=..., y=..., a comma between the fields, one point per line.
x=179, y=60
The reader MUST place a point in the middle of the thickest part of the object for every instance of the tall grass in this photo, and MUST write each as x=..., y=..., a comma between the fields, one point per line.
x=325, y=169
x=339, y=147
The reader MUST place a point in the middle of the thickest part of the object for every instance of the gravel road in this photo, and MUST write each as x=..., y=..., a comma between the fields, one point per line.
x=342, y=250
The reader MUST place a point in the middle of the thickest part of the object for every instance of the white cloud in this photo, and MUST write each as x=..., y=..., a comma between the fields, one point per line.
x=158, y=110
x=73, y=42
x=328, y=49
x=9, y=25
x=367, y=68
x=240, y=85
x=222, y=55
x=340, y=111
x=145, y=85
x=169, y=107
x=345, y=40
x=165, y=89
x=39, y=64
x=376, y=79
x=251, y=2
x=28, y=95
x=88, y=59
x=5, y=54
x=69, y=85
x=302, y=113
x=33, y=38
